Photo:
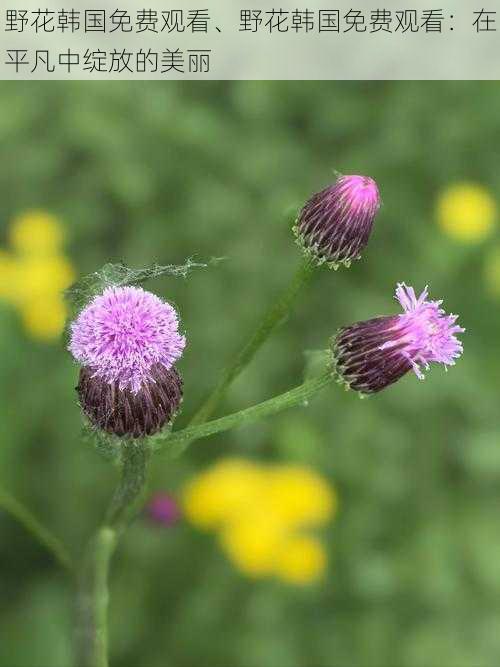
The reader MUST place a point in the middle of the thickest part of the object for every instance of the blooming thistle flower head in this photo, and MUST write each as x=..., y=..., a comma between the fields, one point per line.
x=335, y=224
x=371, y=355
x=127, y=341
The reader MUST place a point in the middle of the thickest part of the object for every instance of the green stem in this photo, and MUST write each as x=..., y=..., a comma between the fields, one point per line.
x=92, y=600
x=135, y=456
x=273, y=318
x=43, y=535
x=93, y=595
x=178, y=441
x=93, y=584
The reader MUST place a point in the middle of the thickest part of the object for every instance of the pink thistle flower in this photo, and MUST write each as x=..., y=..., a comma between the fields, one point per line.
x=127, y=341
x=123, y=333
x=335, y=224
x=163, y=509
x=373, y=354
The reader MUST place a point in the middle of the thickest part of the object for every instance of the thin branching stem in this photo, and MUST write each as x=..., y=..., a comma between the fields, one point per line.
x=178, y=441
x=93, y=581
x=41, y=534
x=271, y=320
x=93, y=589
x=93, y=594
x=92, y=600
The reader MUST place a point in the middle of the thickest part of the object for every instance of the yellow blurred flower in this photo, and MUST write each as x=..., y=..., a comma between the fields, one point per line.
x=302, y=560
x=223, y=492
x=260, y=512
x=44, y=318
x=34, y=276
x=44, y=276
x=299, y=496
x=37, y=233
x=467, y=212
x=253, y=544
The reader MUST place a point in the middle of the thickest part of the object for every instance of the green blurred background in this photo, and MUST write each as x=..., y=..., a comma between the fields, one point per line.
x=151, y=172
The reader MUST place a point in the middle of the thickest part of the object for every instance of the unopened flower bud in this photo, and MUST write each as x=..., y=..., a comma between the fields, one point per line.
x=335, y=224
x=127, y=341
x=123, y=412
x=371, y=355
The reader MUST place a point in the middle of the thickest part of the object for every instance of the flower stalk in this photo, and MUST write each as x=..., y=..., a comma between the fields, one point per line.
x=135, y=455
x=270, y=322
x=93, y=581
x=93, y=594
x=178, y=441
x=92, y=600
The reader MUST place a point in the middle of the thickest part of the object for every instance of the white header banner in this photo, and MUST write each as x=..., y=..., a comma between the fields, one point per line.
x=223, y=39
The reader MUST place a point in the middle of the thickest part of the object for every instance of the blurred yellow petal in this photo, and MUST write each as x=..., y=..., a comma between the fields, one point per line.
x=229, y=489
x=257, y=511
x=467, y=212
x=299, y=496
x=253, y=545
x=44, y=276
x=44, y=318
x=302, y=561
x=36, y=233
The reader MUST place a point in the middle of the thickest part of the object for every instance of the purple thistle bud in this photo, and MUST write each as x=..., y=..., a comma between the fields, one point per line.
x=127, y=341
x=163, y=508
x=335, y=224
x=125, y=413
x=373, y=354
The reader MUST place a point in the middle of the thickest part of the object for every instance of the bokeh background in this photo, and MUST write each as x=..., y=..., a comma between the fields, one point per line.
x=154, y=172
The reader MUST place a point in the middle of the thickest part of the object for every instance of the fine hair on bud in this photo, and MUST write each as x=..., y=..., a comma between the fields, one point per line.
x=335, y=224
x=122, y=412
x=371, y=355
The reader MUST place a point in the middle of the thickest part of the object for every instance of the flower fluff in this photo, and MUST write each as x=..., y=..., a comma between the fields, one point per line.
x=125, y=333
x=373, y=354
